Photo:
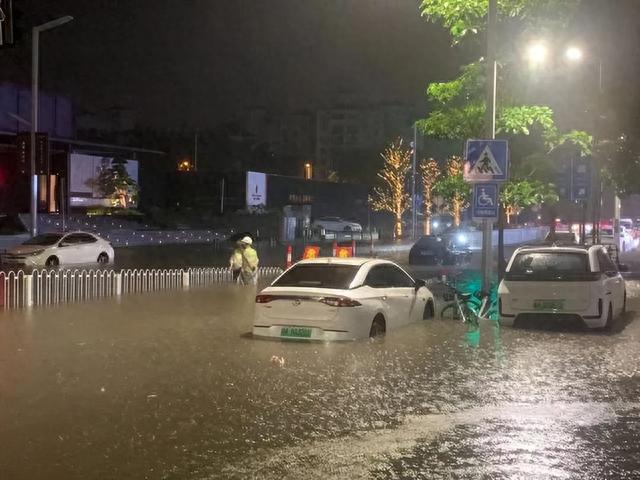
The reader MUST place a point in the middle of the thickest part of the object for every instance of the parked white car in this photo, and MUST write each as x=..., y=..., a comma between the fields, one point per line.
x=340, y=299
x=562, y=283
x=336, y=224
x=53, y=249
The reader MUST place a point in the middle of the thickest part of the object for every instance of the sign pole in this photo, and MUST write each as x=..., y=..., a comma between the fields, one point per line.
x=490, y=122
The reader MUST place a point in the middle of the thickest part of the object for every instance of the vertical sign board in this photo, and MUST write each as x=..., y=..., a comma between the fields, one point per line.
x=256, y=189
x=485, y=201
x=6, y=22
x=581, y=174
x=573, y=177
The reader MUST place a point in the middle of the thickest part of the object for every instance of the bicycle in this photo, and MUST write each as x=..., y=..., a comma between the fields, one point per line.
x=468, y=307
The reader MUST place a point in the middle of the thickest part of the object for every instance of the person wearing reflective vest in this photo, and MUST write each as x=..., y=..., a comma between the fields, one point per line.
x=249, y=269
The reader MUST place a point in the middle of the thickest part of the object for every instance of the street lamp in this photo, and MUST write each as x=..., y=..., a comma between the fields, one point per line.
x=35, y=54
x=537, y=53
x=574, y=54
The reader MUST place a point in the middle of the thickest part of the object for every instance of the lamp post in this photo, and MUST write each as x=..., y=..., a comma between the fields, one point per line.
x=35, y=59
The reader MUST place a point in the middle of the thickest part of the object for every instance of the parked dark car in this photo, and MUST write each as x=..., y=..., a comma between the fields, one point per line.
x=436, y=250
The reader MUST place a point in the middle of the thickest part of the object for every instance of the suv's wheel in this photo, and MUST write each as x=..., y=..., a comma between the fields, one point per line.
x=103, y=258
x=52, y=262
x=378, y=327
x=429, y=311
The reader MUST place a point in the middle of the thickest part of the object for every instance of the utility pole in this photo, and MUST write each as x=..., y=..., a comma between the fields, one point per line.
x=414, y=212
x=490, y=122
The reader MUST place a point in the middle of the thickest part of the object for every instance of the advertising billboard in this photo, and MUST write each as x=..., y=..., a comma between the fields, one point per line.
x=84, y=171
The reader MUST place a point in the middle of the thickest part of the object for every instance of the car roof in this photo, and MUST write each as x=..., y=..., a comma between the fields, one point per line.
x=356, y=261
x=557, y=248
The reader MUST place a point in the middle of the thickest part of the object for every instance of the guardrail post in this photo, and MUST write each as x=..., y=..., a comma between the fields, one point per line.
x=28, y=291
x=185, y=279
x=118, y=291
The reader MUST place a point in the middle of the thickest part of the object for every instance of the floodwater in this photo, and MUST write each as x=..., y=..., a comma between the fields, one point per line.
x=171, y=386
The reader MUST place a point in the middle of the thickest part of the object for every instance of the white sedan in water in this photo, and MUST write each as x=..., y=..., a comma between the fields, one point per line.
x=53, y=249
x=562, y=283
x=340, y=299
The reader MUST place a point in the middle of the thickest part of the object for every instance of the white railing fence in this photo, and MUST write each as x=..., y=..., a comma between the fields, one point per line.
x=49, y=287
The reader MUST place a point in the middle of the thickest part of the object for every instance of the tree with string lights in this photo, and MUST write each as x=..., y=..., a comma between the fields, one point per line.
x=429, y=174
x=391, y=196
x=453, y=188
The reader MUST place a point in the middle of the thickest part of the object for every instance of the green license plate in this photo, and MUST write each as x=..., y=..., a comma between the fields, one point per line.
x=295, y=332
x=548, y=304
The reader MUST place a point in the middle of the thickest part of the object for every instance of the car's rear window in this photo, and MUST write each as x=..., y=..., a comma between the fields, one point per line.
x=550, y=266
x=429, y=242
x=320, y=276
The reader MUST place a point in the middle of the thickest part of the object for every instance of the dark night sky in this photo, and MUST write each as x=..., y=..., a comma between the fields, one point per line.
x=199, y=62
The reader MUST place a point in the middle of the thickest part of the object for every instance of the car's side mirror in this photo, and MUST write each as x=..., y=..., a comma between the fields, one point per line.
x=623, y=267
x=419, y=284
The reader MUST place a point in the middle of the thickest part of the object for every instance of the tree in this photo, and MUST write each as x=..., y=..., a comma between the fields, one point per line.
x=517, y=195
x=114, y=182
x=453, y=188
x=459, y=105
x=391, y=195
x=429, y=174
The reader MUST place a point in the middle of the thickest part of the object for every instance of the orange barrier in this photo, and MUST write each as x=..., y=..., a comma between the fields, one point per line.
x=344, y=252
x=311, y=251
x=289, y=256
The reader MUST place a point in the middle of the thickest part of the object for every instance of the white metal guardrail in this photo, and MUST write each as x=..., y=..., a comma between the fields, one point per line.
x=50, y=287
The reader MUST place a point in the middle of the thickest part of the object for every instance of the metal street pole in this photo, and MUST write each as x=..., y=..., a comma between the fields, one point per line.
x=35, y=70
x=490, y=122
x=414, y=213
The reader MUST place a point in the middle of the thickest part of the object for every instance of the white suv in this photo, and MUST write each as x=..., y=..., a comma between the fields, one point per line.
x=562, y=283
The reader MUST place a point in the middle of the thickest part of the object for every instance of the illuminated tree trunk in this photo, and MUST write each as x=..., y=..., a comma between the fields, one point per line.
x=457, y=211
x=430, y=173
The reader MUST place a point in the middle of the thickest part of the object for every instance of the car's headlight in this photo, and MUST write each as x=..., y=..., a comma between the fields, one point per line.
x=462, y=238
x=34, y=253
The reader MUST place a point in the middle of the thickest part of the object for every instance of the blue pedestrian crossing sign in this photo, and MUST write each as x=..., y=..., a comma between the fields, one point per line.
x=485, y=201
x=486, y=161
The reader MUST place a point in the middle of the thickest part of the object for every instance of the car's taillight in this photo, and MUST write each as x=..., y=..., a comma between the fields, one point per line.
x=264, y=298
x=340, y=302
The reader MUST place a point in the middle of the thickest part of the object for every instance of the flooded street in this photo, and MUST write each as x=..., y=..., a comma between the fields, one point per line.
x=171, y=385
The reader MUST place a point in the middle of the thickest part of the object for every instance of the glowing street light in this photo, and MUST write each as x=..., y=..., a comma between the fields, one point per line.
x=537, y=53
x=574, y=54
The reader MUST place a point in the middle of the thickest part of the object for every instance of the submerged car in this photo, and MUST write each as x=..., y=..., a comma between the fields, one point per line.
x=562, y=283
x=439, y=250
x=340, y=299
x=336, y=224
x=53, y=249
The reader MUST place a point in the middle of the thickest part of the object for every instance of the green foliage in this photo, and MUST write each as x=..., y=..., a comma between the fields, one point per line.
x=467, y=17
x=517, y=195
x=621, y=165
x=114, y=182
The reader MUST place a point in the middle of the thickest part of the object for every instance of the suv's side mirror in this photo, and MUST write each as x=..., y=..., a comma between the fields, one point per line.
x=419, y=284
x=623, y=267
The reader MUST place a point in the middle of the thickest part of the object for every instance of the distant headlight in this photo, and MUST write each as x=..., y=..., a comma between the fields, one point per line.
x=436, y=224
x=462, y=238
x=34, y=253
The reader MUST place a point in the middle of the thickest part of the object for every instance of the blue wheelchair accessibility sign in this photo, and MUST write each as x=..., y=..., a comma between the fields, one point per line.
x=485, y=200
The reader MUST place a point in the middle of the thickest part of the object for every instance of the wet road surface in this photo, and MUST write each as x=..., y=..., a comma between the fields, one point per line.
x=171, y=386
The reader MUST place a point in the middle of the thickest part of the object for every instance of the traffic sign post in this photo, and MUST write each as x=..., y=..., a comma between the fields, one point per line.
x=486, y=165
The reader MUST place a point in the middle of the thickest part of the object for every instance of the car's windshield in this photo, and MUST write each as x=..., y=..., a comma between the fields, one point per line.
x=550, y=266
x=44, y=239
x=321, y=276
